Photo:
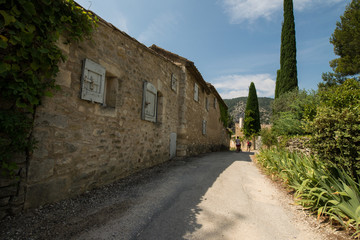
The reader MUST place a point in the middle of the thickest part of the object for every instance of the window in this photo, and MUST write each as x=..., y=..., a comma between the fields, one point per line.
x=207, y=104
x=92, y=81
x=196, y=92
x=149, y=107
x=111, y=91
x=173, y=82
x=215, y=102
x=204, y=127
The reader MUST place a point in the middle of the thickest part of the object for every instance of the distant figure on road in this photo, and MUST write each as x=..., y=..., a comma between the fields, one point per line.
x=248, y=146
x=238, y=145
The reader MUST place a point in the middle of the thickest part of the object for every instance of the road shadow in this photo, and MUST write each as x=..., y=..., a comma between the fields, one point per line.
x=181, y=184
x=178, y=219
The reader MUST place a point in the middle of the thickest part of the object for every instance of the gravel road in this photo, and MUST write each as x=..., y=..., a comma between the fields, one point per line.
x=215, y=196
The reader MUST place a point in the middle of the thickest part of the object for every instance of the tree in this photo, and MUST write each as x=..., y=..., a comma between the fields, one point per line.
x=277, y=85
x=287, y=79
x=346, y=41
x=252, y=114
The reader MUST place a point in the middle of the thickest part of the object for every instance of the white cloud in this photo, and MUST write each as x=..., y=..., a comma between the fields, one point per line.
x=241, y=10
x=232, y=86
x=251, y=10
x=158, y=28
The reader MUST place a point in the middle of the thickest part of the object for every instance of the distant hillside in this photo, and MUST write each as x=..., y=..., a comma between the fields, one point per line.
x=237, y=108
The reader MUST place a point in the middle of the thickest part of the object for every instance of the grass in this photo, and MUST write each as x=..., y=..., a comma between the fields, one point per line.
x=325, y=191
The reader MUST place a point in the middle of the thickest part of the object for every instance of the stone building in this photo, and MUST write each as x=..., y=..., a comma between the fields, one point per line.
x=122, y=107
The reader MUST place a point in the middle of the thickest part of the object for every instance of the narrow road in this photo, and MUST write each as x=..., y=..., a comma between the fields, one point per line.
x=215, y=196
x=218, y=196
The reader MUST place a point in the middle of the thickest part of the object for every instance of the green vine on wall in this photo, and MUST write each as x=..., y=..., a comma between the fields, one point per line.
x=224, y=114
x=29, y=31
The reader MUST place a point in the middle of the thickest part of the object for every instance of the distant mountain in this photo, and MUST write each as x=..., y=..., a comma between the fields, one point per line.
x=237, y=108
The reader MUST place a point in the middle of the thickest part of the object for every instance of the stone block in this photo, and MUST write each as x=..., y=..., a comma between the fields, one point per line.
x=40, y=170
x=17, y=200
x=40, y=152
x=53, y=120
x=62, y=44
x=46, y=192
x=4, y=201
x=5, y=182
x=63, y=78
x=8, y=191
x=4, y=211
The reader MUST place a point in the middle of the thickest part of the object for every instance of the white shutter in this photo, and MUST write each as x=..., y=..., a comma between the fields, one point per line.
x=196, y=92
x=204, y=127
x=149, y=102
x=92, y=81
x=173, y=82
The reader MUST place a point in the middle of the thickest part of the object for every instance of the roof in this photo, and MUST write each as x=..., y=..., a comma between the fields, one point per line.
x=191, y=67
x=167, y=55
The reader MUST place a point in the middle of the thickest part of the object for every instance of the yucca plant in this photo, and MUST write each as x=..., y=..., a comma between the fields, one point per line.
x=326, y=191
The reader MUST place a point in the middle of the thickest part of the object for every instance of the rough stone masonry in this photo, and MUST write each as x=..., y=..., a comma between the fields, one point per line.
x=122, y=107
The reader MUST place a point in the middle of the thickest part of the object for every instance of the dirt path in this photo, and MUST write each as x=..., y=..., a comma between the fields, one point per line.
x=216, y=196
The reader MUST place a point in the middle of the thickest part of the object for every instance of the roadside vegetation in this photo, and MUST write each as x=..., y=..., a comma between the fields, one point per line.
x=325, y=180
x=326, y=192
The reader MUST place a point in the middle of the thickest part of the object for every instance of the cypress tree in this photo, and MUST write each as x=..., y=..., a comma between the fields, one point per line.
x=252, y=114
x=287, y=80
x=277, y=85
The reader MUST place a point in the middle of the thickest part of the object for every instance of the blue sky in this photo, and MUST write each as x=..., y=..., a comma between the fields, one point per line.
x=231, y=42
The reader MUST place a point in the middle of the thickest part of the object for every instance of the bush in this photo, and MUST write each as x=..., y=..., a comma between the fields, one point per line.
x=288, y=125
x=336, y=127
x=268, y=137
x=291, y=110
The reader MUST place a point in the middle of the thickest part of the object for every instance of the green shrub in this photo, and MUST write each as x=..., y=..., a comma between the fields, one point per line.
x=336, y=127
x=288, y=125
x=291, y=110
x=268, y=137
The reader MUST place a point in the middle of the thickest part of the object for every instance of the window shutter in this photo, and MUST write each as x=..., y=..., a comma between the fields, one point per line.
x=173, y=82
x=204, y=127
x=149, y=102
x=196, y=92
x=92, y=81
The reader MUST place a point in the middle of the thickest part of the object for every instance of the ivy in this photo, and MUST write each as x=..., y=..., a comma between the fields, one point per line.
x=224, y=114
x=29, y=31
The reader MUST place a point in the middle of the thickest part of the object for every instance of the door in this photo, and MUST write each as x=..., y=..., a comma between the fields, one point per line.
x=172, y=145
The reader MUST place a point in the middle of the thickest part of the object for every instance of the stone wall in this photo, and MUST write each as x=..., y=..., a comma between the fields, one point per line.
x=83, y=144
x=299, y=144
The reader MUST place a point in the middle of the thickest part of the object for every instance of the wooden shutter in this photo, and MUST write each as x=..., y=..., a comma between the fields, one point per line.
x=173, y=82
x=204, y=127
x=149, y=108
x=92, y=81
x=196, y=92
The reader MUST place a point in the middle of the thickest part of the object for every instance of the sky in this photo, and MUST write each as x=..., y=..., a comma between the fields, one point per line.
x=231, y=42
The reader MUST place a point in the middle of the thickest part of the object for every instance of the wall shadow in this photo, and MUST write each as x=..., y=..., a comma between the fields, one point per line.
x=180, y=183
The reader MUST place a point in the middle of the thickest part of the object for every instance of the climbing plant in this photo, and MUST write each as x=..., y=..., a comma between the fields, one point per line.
x=224, y=114
x=29, y=32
